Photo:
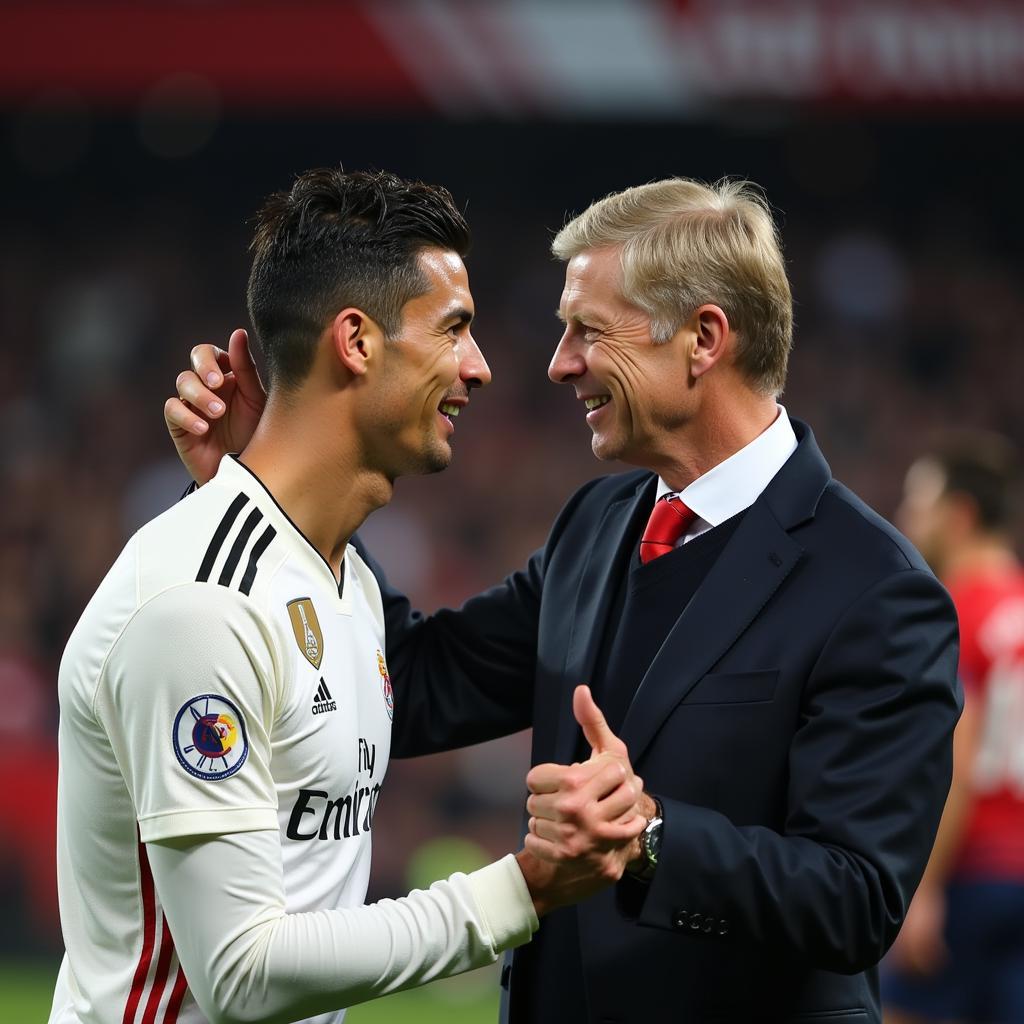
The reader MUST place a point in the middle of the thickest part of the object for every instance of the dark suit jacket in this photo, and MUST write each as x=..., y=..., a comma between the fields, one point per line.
x=796, y=726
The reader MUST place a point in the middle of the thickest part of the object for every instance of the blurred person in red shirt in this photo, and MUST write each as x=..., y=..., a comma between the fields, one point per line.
x=960, y=954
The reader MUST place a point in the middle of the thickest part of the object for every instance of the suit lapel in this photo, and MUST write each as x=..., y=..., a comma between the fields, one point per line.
x=606, y=564
x=741, y=582
x=757, y=559
x=760, y=555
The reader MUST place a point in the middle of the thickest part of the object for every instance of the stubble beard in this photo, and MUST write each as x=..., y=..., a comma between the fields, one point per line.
x=436, y=456
x=435, y=463
x=430, y=459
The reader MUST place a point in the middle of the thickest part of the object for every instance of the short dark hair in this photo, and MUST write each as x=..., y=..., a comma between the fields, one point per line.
x=983, y=466
x=340, y=239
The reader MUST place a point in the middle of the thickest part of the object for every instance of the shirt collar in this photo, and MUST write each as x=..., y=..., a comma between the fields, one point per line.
x=234, y=474
x=735, y=484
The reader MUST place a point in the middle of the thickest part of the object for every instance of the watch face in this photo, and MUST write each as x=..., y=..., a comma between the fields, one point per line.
x=652, y=841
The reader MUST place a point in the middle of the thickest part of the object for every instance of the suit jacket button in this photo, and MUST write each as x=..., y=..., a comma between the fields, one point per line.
x=681, y=920
x=723, y=927
x=695, y=920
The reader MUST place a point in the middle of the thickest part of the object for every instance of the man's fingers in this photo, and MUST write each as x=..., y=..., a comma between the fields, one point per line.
x=618, y=802
x=616, y=832
x=607, y=795
x=542, y=849
x=551, y=778
x=582, y=808
x=546, y=778
x=192, y=390
x=209, y=364
x=603, y=834
x=609, y=778
x=179, y=417
x=592, y=721
x=552, y=831
x=244, y=368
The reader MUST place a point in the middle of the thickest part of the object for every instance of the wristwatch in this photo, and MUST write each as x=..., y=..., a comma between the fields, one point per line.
x=650, y=846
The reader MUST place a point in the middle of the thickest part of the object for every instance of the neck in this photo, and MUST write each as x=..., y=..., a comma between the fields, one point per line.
x=718, y=431
x=316, y=476
x=984, y=553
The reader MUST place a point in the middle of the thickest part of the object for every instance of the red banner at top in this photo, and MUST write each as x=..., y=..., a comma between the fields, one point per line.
x=602, y=57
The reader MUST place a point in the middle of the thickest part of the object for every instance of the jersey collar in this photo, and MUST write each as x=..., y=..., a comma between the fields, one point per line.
x=235, y=474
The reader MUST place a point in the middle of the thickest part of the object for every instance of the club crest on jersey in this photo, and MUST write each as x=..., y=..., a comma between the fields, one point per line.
x=209, y=737
x=306, y=628
x=389, y=693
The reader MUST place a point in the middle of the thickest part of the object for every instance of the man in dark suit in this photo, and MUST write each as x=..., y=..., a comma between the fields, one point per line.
x=777, y=659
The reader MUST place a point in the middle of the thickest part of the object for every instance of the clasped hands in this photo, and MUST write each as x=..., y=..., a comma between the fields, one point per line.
x=585, y=818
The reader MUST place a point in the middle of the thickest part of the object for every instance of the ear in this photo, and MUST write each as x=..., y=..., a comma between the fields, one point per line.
x=356, y=340
x=710, y=337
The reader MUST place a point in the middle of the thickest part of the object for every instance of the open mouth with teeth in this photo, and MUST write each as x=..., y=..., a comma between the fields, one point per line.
x=449, y=410
x=597, y=402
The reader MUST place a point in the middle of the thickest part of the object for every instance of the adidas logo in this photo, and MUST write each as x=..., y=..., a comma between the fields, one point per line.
x=322, y=700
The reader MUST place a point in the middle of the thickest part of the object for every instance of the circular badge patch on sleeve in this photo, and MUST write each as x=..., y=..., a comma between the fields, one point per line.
x=209, y=737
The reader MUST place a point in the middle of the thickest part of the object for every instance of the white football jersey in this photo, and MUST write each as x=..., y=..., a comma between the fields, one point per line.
x=218, y=682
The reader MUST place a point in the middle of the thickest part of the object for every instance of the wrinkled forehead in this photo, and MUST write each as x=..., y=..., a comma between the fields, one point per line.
x=593, y=286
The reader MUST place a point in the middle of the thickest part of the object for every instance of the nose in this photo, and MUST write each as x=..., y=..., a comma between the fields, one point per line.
x=473, y=369
x=567, y=363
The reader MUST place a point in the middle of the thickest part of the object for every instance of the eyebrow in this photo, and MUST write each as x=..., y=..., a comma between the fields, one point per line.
x=584, y=316
x=460, y=314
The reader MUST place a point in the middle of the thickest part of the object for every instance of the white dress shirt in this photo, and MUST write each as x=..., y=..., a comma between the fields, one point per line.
x=735, y=484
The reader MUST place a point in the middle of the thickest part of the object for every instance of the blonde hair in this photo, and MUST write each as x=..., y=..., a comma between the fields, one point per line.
x=685, y=243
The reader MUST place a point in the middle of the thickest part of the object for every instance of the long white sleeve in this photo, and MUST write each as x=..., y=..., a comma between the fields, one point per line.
x=246, y=960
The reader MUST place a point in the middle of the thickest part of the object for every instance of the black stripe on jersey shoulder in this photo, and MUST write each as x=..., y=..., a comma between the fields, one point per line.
x=312, y=546
x=218, y=536
x=231, y=563
x=258, y=548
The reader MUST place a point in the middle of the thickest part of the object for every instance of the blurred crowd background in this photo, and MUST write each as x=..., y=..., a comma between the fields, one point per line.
x=136, y=140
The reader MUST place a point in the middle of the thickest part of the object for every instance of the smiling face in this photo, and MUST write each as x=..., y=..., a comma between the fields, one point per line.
x=636, y=392
x=426, y=372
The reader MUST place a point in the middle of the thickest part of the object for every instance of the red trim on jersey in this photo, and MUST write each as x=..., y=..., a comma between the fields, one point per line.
x=990, y=606
x=177, y=994
x=148, y=936
x=163, y=968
